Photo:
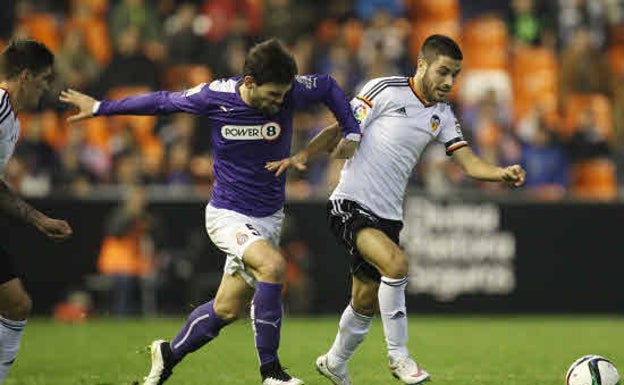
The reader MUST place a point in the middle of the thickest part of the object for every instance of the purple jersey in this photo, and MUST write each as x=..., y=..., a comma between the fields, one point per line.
x=243, y=139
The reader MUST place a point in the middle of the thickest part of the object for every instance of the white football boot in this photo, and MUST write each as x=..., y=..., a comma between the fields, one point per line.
x=408, y=371
x=161, y=367
x=335, y=378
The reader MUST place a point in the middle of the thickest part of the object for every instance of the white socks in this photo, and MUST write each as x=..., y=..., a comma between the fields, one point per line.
x=10, y=335
x=394, y=315
x=352, y=329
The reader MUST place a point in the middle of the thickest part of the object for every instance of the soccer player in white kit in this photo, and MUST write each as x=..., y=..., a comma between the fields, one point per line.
x=398, y=116
x=26, y=68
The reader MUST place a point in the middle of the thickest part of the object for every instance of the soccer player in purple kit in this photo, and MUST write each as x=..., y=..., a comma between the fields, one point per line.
x=251, y=119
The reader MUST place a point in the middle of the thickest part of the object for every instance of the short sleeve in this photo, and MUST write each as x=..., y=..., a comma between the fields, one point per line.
x=451, y=134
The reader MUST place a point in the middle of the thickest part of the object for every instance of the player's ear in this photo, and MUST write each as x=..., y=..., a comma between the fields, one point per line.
x=24, y=74
x=248, y=81
x=421, y=65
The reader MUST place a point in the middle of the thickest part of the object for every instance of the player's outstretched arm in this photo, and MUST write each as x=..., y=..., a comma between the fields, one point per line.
x=84, y=103
x=13, y=205
x=477, y=168
x=328, y=140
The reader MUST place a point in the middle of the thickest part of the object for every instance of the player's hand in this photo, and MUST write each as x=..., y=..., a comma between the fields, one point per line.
x=514, y=175
x=297, y=161
x=55, y=229
x=83, y=102
x=345, y=149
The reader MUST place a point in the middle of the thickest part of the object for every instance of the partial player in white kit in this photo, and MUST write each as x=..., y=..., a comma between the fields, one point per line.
x=26, y=67
x=398, y=116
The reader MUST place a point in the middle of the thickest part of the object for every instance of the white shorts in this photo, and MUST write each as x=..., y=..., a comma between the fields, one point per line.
x=233, y=232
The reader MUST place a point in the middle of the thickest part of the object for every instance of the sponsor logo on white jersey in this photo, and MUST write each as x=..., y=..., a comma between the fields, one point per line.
x=268, y=131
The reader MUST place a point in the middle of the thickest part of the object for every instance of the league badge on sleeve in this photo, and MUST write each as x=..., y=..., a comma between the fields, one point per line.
x=360, y=111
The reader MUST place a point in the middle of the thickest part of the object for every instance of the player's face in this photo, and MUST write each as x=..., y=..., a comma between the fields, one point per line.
x=35, y=85
x=269, y=97
x=440, y=77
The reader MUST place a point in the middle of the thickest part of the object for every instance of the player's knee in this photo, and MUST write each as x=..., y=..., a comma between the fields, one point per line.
x=272, y=269
x=227, y=312
x=19, y=308
x=397, y=265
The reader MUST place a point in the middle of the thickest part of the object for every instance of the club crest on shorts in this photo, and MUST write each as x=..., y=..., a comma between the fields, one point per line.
x=241, y=238
x=435, y=123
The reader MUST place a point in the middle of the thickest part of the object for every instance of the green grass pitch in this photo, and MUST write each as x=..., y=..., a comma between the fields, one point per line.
x=457, y=350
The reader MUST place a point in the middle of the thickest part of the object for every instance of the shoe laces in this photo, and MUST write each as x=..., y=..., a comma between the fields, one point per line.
x=406, y=363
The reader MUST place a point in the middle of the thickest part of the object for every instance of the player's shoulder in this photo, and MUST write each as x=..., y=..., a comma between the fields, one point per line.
x=445, y=108
x=309, y=82
x=382, y=86
x=227, y=85
x=5, y=106
x=4, y=98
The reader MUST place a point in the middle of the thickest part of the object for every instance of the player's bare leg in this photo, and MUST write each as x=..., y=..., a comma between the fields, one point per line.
x=15, y=305
x=202, y=326
x=391, y=262
x=268, y=267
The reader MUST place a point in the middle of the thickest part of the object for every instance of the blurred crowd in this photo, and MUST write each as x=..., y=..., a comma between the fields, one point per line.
x=542, y=85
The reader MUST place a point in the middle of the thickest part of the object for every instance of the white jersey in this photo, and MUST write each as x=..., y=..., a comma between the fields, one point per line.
x=396, y=126
x=9, y=129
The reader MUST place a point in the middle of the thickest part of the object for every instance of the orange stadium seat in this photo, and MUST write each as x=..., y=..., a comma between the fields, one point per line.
x=95, y=32
x=142, y=126
x=99, y=7
x=42, y=27
x=616, y=60
x=353, y=31
x=423, y=28
x=433, y=10
x=97, y=133
x=485, y=30
x=51, y=130
x=54, y=133
x=327, y=31
x=179, y=77
x=577, y=104
x=485, y=43
x=534, y=76
x=594, y=179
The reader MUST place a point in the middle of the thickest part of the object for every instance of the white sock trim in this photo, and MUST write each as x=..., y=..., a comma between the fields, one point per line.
x=12, y=324
x=394, y=281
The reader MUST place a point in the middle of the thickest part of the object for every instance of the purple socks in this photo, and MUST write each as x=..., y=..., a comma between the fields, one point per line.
x=266, y=315
x=202, y=325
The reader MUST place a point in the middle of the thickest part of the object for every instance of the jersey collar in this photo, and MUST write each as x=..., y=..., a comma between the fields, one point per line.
x=420, y=97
